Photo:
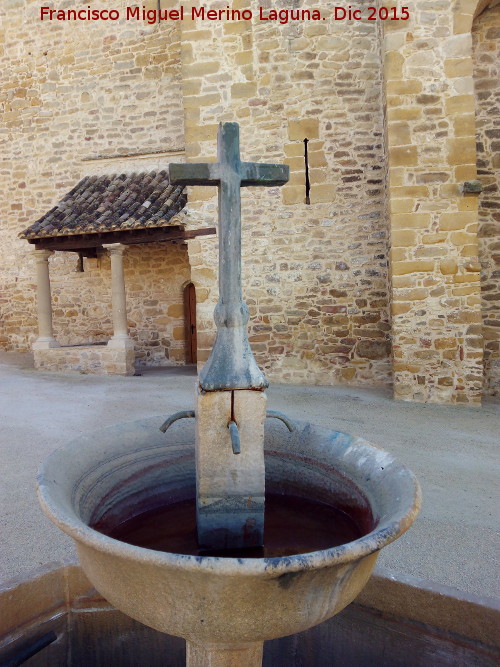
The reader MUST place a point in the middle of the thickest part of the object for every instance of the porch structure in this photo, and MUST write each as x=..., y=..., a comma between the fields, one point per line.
x=103, y=214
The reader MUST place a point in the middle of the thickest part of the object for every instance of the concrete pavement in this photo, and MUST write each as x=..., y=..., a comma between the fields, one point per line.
x=453, y=450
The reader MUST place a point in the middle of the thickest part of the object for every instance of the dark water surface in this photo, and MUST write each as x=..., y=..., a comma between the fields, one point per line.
x=292, y=526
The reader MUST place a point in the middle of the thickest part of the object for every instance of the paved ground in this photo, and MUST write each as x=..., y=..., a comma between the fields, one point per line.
x=453, y=451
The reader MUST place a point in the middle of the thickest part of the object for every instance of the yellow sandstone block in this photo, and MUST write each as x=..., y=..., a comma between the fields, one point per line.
x=464, y=125
x=245, y=58
x=393, y=65
x=403, y=156
x=415, y=266
x=409, y=191
x=461, y=150
x=455, y=67
x=293, y=195
x=448, y=266
x=201, y=69
x=399, y=133
x=460, y=104
x=404, y=113
x=466, y=172
x=456, y=220
x=322, y=193
x=317, y=159
x=410, y=220
x=176, y=310
x=462, y=23
x=245, y=90
x=400, y=308
x=308, y=128
x=294, y=150
x=404, y=87
x=398, y=254
x=402, y=205
x=236, y=27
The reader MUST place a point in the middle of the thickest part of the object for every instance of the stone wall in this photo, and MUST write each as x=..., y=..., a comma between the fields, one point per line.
x=385, y=252
x=69, y=92
x=436, y=305
x=315, y=274
x=486, y=37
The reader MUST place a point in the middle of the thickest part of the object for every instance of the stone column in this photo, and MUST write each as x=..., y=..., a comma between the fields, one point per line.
x=224, y=655
x=45, y=338
x=120, y=337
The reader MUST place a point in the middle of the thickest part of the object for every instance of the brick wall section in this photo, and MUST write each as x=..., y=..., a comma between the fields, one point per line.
x=486, y=38
x=436, y=316
x=71, y=91
x=315, y=275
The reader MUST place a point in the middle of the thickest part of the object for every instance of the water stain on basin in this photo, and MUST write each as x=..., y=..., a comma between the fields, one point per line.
x=293, y=526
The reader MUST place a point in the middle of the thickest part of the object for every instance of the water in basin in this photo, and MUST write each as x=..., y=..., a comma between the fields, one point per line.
x=292, y=526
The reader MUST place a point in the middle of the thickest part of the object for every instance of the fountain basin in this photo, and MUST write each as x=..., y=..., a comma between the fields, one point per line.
x=119, y=472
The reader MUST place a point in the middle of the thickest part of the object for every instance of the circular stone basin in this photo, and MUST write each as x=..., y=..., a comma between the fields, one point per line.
x=117, y=473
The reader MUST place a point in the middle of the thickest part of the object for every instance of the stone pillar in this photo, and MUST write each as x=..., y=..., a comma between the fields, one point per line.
x=45, y=338
x=224, y=655
x=230, y=487
x=120, y=338
x=431, y=146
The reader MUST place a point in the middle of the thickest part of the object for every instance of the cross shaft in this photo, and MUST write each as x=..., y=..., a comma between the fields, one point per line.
x=231, y=364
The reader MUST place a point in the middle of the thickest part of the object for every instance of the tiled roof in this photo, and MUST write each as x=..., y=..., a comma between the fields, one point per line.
x=112, y=203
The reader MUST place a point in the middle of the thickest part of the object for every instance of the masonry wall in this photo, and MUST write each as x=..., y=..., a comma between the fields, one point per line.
x=435, y=272
x=74, y=95
x=486, y=52
x=155, y=275
x=315, y=275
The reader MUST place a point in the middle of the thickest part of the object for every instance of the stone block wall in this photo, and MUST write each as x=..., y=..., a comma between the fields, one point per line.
x=486, y=52
x=435, y=272
x=315, y=274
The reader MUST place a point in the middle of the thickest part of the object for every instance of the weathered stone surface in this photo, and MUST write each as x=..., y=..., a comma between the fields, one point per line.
x=373, y=349
x=230, y=487
x=102, y=92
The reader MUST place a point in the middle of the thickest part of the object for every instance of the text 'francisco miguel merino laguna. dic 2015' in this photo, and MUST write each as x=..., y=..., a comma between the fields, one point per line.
x=283, y=16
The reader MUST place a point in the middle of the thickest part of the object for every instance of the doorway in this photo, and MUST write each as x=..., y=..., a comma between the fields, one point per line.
x=190, y=320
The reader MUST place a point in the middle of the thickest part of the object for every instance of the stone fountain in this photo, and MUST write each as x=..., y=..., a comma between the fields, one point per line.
x=231, y=592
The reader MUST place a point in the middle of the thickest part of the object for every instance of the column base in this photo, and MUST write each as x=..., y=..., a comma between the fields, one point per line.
x=45, y=343
x=224, y=655
x=121, y=343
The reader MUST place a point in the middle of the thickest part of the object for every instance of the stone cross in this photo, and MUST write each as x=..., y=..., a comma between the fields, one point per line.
x=231, y=364
x=230, y=414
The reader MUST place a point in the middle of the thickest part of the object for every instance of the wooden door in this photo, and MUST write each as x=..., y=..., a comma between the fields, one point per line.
x=190, y=318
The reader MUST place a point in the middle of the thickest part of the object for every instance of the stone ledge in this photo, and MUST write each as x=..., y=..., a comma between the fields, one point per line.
x=93, y=359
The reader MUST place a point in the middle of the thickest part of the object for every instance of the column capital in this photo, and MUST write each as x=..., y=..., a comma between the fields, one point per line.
x=115, y=248
x=42, y=255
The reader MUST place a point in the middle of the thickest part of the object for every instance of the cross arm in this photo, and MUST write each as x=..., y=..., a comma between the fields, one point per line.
x=255, y=173
x=202, y=173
